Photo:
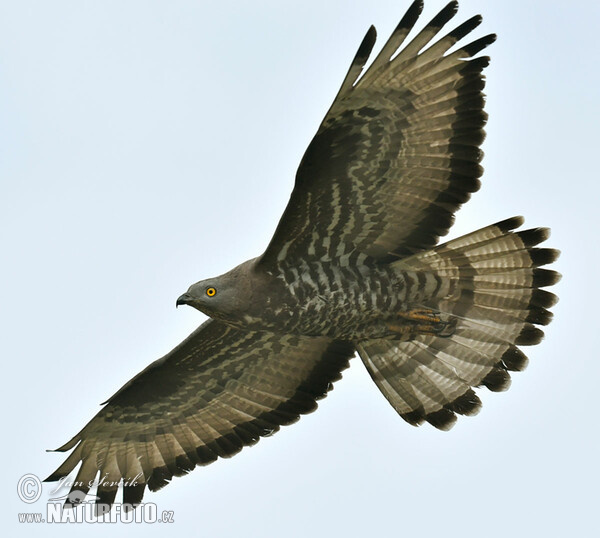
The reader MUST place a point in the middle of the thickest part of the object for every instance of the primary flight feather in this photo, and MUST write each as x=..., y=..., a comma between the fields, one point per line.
x=353, y=266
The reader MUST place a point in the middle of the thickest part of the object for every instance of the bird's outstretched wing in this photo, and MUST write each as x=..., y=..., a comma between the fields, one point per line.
x=221, y=389
x=397, y=153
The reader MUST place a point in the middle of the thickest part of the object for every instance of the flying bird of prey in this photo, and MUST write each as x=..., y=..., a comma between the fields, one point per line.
x=353, y=266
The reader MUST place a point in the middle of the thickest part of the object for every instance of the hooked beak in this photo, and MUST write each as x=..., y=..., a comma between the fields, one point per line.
x=186, y=298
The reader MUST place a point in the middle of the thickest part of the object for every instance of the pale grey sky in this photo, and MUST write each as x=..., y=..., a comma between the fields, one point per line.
x=147, y=145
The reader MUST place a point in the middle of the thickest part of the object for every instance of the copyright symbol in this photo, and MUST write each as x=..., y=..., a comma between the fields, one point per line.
x=29, y=488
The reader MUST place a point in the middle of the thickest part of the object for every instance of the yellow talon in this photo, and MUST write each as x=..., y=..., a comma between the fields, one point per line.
x=420, y=321
x=421, y=315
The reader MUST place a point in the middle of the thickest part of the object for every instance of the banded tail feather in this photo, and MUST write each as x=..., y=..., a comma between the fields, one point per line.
x=396, y=155
x=489, y=282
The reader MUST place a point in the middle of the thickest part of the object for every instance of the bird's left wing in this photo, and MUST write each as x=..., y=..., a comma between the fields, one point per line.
x=397, y=153
x=221, y=389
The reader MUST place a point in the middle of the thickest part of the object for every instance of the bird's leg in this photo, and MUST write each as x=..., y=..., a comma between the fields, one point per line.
x=421, y=314
x=421, y=321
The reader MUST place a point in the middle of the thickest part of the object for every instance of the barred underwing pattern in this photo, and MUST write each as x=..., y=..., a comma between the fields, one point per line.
x=352, y=266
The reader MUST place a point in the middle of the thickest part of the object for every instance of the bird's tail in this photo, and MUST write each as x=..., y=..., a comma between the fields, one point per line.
x=489, y=284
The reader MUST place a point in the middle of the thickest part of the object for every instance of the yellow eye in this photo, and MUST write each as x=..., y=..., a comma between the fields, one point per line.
x=211, y=292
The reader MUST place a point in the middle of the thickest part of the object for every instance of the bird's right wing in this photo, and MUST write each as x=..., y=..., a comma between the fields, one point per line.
x=221, y=389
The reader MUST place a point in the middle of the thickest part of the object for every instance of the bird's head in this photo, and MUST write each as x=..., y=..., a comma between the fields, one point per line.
x=224, y=297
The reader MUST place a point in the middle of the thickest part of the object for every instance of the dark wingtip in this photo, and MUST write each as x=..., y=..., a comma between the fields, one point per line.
x=545, y=277
x=507, y=225
x=205, y=455
x=366, y=45
x=105, y=498
x=543, y=299
x=476, y=65
x=514, y=359
x=498, y=380
x=159, y=478
x=539, y=316
x=534, y=236
x=443, y=419
x=133, y=494
x=466, y=27
x=529, y=336
x=410, y=17
x=479, y=44
x=543, y=256
x=415, y=418
x=445, y=15
x=184, y=464
x=468, y=404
